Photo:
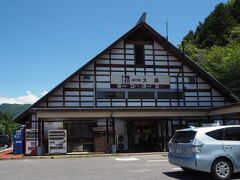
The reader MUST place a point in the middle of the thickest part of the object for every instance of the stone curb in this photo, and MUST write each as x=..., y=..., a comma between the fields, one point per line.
x=68, y=156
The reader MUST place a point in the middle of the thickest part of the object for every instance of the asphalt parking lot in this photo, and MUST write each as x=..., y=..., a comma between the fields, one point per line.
x=153, y=167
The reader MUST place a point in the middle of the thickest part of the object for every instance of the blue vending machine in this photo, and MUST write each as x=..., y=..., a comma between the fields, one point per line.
x=18, y=141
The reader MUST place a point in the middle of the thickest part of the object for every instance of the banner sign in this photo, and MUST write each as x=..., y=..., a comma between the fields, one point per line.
x=140, y=81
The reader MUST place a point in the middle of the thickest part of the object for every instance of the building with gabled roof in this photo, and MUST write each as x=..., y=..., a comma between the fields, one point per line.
x=134, y=95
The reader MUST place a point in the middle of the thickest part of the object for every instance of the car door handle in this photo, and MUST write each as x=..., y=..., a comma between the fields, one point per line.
x=228, y=147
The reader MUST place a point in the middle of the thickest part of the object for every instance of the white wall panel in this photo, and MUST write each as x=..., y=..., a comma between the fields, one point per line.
x=74, y=93
x=129, y=46
x=120, y=51
x=215, y=93
x=72, y=104
x=157, y=46
x=218, y=99
x=204, y=103
x=122, y=104
x=203, y=86
x=190, y=93
x=117, y=56
x=52, y=104
x=87, y=85
x=102, y=73
x=52, y=98
x=59, y=92
x=130, y=62
x=103, y=61
x=75, y=78
x=204, y=98
x=147, y=57
x=191, y=103
x=87, y=104
x=149, y=62
x=147, y=104
x=129, y=51
x=191, y=98
x=103, y=104
x=103, y=78
x=134, y=104
x=103, y=85
x=87, y=93
x=105, y=56
x=148, y=52
x=72, y=85
x=158, y=52
x=130, y=57
x=161, y=63
x=117, y=62
x=120, y=45
x=67, y=98
x=204, y=93
x=163, y=58
x=216, y=104
x=148, y=47
x=102, y=69
x=163, y=103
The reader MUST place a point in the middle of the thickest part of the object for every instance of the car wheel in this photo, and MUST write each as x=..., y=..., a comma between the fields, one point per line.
x=5, y=146
x=222, y=169
x=186, y=169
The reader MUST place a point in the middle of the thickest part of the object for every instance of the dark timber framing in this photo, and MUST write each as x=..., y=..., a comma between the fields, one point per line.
x=171, y=51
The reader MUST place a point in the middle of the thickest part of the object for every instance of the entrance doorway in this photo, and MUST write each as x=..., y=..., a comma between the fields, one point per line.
x=143, y=136
x=79, y=135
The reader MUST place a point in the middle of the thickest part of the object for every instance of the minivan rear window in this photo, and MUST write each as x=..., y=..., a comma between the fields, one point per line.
x=183, y=136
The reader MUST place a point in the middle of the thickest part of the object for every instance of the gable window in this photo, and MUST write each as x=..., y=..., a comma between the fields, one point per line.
x=139, y=54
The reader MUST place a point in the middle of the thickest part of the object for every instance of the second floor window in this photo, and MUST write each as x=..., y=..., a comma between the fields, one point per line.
x=139, y=54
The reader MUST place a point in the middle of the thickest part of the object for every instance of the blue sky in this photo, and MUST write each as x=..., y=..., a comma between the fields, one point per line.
x=44, y=41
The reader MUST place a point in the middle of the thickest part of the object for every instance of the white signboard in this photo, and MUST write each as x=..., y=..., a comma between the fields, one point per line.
x=140, y=81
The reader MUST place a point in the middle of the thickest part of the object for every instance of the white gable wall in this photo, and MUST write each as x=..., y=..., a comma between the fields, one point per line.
x=81, y=91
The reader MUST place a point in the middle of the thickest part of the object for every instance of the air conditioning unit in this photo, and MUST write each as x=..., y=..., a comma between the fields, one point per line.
x=122, y=142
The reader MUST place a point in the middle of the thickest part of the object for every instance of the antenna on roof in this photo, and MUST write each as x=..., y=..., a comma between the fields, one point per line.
x=167, y=29
x=142, y=18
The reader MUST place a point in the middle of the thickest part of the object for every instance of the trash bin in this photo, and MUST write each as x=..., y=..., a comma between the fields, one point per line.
x=114, y=148
x=40, y=150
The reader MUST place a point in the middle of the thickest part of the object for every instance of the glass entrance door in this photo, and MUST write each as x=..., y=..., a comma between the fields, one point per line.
x=143, y=136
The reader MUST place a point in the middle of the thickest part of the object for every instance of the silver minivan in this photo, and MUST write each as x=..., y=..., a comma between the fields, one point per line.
x=209, y=149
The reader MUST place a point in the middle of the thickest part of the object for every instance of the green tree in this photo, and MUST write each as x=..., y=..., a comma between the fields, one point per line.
x=223, y=63
x=7, y=125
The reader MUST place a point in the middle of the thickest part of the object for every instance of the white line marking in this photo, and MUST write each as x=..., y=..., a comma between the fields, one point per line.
x=176, y=169
x=127, y=159
x=157, y=160
x=141, y=171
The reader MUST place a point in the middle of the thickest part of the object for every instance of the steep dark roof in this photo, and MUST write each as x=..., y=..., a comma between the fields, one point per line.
x=163, y=42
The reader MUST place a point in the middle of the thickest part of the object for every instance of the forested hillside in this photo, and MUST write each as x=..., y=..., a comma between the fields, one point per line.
x=215, y=44
x=7, y=113
x=14, y=109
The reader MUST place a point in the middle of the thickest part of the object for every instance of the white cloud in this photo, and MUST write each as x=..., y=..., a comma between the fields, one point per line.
x=29, y=98
x=44, y=93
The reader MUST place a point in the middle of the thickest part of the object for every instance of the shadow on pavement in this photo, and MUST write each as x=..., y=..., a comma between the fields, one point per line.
x=196, y=175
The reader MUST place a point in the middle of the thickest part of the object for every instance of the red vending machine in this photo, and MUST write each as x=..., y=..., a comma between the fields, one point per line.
x=31, y=141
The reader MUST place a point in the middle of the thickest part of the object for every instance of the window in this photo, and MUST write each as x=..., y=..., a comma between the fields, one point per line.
x=86, y=77
x=141, y=95
x=139, y=55
x=183, y=136
x=216, y=134
x=232, y=134
x=110, y=95
x=170, y=95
